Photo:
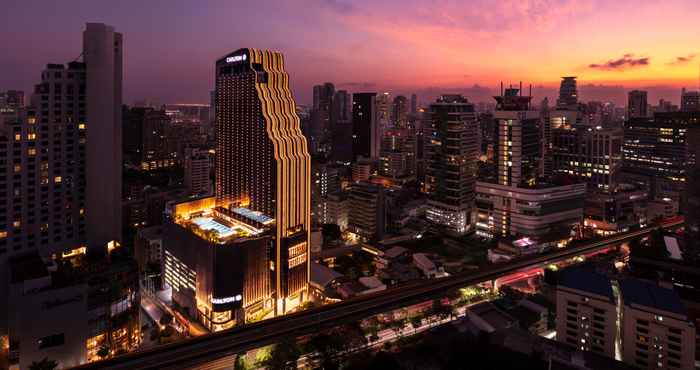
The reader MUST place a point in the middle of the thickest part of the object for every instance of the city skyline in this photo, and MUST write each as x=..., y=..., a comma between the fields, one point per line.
x=444, y=48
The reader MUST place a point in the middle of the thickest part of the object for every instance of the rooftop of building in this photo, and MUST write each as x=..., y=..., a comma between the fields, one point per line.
x=27, y=267
x=218, y=224
x=647, y=294
x=586, y=281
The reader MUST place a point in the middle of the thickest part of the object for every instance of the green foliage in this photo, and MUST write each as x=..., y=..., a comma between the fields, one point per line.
x=44, y=364
x=283, y=356
x=103, y=351
x=166, y=319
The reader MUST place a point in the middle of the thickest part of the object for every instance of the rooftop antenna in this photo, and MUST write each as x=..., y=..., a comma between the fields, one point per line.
x=521, y=88
x=501, y=88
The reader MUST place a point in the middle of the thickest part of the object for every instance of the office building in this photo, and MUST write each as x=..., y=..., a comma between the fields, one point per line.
x=616, y=210
x=259, y=219
x=198, y=171
x=365, y=128
x=451, y=155
x=146, y=138
x=321, y=113
x=568, y=94
x=591, y=154
x=690, y=101
x=656, y=152
x=586, y=312
x=367, y=210
x=546, y=210
x=341, y=134
x=637, y=104
x=336, y=210
x=519, y=146
x=398, y=155
x=655, y=328
x=519, y=201
x=399, y=111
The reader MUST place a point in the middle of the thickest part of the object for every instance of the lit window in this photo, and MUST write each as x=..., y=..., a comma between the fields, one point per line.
x=17, y=223
x=17, y=167
x=31, y=120
x=31, y=151
x=57, y=179
x=18, y=137
x=81, y=126
x=31, y=136
x=3, y=234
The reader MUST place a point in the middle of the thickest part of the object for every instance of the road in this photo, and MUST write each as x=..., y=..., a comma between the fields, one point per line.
x=205, y=349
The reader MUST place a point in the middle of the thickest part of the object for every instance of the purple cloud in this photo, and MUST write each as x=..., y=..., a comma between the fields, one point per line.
x=682, y=60
x=627, y=61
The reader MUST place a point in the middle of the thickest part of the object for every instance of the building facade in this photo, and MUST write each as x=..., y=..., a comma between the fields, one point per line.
x=451, y=155
x=366, y=134
x=262, y=161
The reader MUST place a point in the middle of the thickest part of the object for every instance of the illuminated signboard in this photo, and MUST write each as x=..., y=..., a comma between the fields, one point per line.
x=235, y=298
x=236, y=58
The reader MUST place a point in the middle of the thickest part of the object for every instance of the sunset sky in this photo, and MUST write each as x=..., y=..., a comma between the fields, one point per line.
x=402, y=46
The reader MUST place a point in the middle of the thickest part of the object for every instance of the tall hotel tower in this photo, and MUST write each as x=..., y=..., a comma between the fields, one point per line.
x=243, y=254
x=262, y=160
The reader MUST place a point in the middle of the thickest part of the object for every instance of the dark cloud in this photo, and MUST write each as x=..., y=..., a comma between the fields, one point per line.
x=627, y=61
x=682, y=60
x=339, y=6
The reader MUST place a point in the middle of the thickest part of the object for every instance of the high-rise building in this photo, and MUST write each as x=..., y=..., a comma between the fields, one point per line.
x=262, y=158
x=656, y=151
x=367, y=210
x=399, y=111
x=637, y=104
x=244, y=251
x=568, y=94
x=586, y=312
x=593, y=155
x=519, y=147
x=398, y=155
x=519, y=201
x=414, y=104
x=321, y=117
x=42, y=193
x=451, y=162
x=365, y=129
x=197, y=171
x=102, y=52
x=146, y=138
x=342, y=127
x=690, y=101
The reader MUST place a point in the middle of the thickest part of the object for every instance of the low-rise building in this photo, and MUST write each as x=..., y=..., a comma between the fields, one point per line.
x=586, y=312
x=656, y=331
x=216, y=261
x=527, y=211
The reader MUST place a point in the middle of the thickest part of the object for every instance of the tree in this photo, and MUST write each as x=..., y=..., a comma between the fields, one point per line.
x=284, y=355
x=44, y=364
x=166, y=319
x=103, y=352
x=240, y=363
x=416, y=322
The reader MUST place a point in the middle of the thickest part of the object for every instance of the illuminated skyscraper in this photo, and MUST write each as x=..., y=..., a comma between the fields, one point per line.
x=451, y=155
x=262, y=159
